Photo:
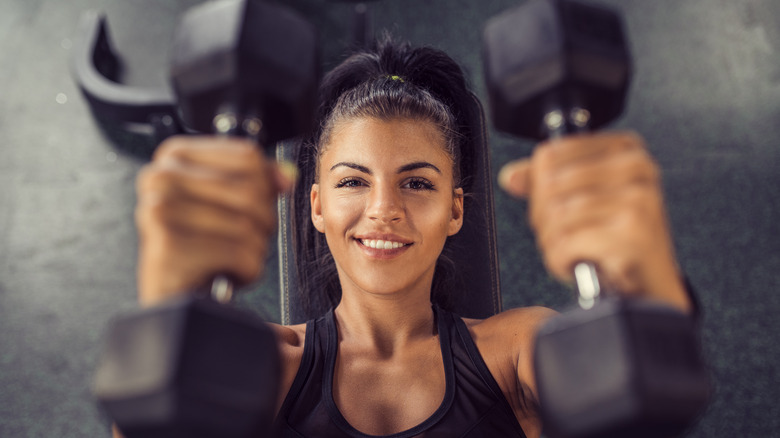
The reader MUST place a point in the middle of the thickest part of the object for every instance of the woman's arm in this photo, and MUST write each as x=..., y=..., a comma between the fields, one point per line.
x=206, y=206
x=595, y=198
x=598, y=198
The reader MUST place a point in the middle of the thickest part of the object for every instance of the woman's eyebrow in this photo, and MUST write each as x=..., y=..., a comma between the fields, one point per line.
x=418, y=165
x=405, y=168
x=355, y=166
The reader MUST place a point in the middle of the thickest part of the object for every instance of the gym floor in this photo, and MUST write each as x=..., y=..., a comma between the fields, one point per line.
x=706, y=96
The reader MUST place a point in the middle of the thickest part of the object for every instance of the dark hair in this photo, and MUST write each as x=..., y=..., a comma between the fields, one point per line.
x=392, y=96
x=393, y=80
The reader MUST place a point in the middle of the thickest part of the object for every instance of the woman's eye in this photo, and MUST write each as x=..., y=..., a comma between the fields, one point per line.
x=349, y=182
x=418, y=184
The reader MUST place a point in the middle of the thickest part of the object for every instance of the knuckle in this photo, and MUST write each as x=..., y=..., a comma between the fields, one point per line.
x=169, y=240
x=173, y=147
x=632, y=138
x=643, y=200
x=157, y=212
x=541, y=157
x=155, y=217
x=642, y=161
x=621, y=271
x=246, y=200
x=246, y=155
x=627, y=140
x=143, y=178
x=153, y=178
x=636, y=196
x=628, y=220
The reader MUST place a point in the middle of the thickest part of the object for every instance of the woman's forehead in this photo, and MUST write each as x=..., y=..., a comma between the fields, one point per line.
x=393, y=140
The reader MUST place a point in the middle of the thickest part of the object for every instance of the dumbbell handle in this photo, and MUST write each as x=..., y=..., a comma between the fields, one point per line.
x=226, y=123
x=558, y=123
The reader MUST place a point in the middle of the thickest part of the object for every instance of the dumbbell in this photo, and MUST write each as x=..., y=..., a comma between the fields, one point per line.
x=197, y=366
x=616, y=367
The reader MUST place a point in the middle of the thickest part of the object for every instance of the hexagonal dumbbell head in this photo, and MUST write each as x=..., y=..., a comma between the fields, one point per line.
x=250, y=59
x=548, y=55
x=626, y=368
x=191, y=367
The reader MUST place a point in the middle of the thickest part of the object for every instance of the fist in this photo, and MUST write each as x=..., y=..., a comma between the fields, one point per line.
x=206, y=206
x=598, y=198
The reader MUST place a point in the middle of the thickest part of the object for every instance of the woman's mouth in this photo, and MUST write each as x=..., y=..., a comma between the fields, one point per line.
x=382, y=244
x=380, y=249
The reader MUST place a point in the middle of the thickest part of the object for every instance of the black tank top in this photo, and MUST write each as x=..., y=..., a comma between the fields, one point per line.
x=473, y=404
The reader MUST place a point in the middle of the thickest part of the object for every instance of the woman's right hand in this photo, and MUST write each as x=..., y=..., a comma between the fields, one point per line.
x=206, y=206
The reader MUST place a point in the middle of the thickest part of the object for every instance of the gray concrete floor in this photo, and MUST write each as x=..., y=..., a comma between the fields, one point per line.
x=706, y=96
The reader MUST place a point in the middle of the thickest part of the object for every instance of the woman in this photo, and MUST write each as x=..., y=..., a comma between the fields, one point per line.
x=387, y=188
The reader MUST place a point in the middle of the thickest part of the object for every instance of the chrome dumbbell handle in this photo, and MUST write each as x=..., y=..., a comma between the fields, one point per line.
x=227, y=123
x=559, y=123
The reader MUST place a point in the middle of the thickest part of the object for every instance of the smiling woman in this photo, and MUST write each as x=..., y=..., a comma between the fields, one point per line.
x=391, y=83
x=386, y=207
x=384, y=188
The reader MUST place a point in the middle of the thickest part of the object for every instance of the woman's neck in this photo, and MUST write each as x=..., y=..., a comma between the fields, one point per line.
x=385, y=322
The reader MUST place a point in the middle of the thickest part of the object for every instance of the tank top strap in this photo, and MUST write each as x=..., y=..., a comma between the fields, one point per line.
x=477, y=385
x=312, y=349
x=477, y=360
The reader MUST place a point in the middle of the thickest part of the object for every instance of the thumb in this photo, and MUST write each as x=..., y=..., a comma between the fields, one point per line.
x=285, y=176
x=515, y=178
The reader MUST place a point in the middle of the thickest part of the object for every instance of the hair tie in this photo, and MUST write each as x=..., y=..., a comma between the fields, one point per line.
x=395, y=78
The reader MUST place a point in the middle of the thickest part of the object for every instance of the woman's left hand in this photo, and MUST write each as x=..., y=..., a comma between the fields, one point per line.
x=598, y=198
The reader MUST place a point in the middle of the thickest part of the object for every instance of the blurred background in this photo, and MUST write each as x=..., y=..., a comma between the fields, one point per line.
x=706, y=97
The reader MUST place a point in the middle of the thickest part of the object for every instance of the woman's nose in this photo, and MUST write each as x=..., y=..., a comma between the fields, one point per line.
x=385, y=205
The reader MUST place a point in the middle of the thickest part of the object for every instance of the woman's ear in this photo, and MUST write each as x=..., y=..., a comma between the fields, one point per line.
x=316, y=208
x=456, y=218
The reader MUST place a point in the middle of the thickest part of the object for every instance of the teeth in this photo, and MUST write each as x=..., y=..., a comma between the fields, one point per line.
x=382, y=244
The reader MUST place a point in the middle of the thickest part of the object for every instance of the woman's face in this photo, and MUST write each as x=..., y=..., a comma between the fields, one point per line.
x=386, y=203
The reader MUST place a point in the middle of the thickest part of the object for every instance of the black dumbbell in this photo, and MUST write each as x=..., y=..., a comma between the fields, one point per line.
x=246, y=67
x=197, y=366
x=617, y=367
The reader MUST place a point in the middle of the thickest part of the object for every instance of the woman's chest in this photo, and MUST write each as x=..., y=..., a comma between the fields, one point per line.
x=386, y=395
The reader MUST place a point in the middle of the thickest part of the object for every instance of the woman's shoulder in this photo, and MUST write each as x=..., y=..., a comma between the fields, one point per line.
x=511, y=323
x=290, y=340
x=289, y=337
x=509, y=336
x=506, y=341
